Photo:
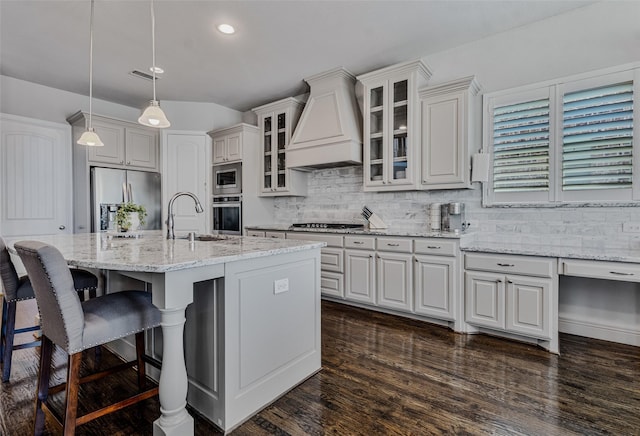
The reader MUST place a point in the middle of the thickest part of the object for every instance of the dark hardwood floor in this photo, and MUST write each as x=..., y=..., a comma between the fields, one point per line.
x=386, y=375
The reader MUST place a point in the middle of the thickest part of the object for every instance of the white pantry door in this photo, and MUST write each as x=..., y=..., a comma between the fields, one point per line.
x=35, y=177
x=185, y=169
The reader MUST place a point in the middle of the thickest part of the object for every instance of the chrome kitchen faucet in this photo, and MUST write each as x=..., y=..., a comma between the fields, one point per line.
x=170, y=220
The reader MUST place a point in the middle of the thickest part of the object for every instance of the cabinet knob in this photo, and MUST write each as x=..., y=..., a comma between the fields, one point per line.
x=121, y=161
x=128, y=162
x=498, y=280
x=62, y=227
x=510, y=282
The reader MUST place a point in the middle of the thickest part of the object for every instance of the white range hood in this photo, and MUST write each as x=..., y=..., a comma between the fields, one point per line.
x=329, y=133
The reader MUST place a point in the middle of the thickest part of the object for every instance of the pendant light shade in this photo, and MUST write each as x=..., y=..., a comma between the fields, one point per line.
x=90, y=137
x=153, y=116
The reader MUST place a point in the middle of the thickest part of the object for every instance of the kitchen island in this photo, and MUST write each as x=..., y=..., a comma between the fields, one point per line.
x=267, y=308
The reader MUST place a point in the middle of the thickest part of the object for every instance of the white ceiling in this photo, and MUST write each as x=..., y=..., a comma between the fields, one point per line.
x=277, y=43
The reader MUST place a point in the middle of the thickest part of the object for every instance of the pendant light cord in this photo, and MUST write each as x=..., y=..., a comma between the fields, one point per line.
x=91, y=66
x=153, y=48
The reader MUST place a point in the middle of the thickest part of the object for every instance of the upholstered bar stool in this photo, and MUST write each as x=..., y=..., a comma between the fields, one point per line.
x=18, y=289
x=75, y=326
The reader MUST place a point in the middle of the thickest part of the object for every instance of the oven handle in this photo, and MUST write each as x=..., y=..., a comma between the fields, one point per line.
x=221, y=205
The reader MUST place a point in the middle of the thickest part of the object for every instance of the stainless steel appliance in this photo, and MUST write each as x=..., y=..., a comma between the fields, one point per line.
x=227, y=179
x=112, y=187
x=453, y=217
x=227, y=214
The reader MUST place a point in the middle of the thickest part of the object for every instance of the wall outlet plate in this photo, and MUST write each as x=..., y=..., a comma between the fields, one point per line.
x=280, y=286
x=630, y=227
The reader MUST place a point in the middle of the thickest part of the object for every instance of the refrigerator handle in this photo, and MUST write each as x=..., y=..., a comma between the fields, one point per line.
x=130, y=192
x=125, y=192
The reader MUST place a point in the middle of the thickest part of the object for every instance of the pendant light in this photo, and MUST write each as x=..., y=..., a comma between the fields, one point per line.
x=89, y=137
x=153, y=116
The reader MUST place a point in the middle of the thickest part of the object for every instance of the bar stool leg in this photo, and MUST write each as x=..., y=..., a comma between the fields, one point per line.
x=44, y=374
x=8, y=339
x=71, y=400
x=140, y=360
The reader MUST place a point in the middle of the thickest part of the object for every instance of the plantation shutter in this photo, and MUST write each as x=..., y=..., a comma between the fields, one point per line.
x=521, y=147
x=598, y=138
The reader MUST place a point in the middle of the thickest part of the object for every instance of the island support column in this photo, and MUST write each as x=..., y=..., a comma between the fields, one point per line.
x=173, y=386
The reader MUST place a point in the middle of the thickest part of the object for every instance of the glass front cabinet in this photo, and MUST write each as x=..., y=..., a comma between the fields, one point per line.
x=276, y=122
x=392, y=126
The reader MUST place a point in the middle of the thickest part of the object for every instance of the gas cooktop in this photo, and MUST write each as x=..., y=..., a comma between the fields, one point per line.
x=338, y=226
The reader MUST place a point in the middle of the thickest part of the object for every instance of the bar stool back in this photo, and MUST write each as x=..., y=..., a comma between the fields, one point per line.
x=75, y=326
x=18, y=289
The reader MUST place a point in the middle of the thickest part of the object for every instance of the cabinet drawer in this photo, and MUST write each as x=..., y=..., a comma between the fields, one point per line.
x=362, y=242
x=277, y=235
x=332, y=259
x=257, y=233
x=332, y=284
x=441, y=247
x=401, y=245
x=331, y=240
x=628, y=272
x=507, y=264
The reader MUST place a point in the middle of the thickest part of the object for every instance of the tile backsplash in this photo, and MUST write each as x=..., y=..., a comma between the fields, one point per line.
x=336, y=195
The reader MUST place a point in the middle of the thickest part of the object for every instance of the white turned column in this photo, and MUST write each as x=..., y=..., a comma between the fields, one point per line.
x=175, y=420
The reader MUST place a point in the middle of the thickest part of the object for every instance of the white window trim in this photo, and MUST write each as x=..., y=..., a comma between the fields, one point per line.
x=555, y=89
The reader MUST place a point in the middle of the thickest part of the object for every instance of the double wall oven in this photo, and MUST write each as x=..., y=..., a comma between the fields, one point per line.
x=227, y=198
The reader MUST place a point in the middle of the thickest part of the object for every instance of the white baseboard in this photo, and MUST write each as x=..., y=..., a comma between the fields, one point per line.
x=590, y=329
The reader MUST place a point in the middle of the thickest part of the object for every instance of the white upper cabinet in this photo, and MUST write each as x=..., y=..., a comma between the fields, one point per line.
x=126, y=145
x=227, y=144
x=449, y=128
x=276, y=122
x=392, y=126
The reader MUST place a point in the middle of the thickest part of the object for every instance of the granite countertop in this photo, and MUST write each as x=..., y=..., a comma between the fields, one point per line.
x=387, y=232
x=571, y=247
x=152, y=252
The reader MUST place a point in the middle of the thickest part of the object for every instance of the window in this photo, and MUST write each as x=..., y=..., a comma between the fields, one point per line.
x=564, y=142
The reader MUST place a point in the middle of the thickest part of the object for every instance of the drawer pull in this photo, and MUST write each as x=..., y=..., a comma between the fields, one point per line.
x=358, y=242
x=505, y=264
x=434, y=247
x=618, y=273
x=392, y=245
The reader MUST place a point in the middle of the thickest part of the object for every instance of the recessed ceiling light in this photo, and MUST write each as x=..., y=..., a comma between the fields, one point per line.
x=158, y=70
x=226, y=29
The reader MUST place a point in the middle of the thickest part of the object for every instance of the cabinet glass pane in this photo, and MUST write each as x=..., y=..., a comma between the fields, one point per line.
x=376, y=172
x=281, y=121
x=267, y=164
x=267, y=125
x=376, y=149
x=377, y=123
x=281, y=161
x=400, y=118
x=400, y=156
x=377, y=97
x=267, y=182
x=281, y=180
x=400, y=91
x=267, y=143
x=282, y=140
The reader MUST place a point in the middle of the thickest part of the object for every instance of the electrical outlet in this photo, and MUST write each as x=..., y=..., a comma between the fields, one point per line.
x=280, y=286
x=631, y=227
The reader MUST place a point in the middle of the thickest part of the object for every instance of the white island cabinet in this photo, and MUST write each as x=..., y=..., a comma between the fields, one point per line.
x=266, y=310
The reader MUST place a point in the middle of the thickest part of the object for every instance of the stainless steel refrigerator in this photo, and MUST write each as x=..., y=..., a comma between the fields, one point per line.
x=111, y=187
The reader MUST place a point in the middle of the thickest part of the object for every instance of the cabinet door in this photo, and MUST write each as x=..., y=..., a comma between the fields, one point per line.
x=528, y=306
x=399, y=149
x=266, y=163
x=359, y=276
x=484, y=299
x=376, y=125
x=443, y=121
x=141, y=148
x=219, y=150
x=395, y=284
x=113, y=137
x=332, y=284
x=234, y=147
x=282, y=134
x=435, y=285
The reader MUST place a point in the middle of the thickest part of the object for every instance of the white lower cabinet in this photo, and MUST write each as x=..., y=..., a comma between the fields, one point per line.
x=359, y=274
x=515, y=303
x=436, y=279
x=395, y=284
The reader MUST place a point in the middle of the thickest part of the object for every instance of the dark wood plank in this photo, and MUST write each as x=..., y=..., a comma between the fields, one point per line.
x=390, y=375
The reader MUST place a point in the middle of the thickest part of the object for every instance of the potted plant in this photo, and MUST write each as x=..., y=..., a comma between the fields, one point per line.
x=130, y=216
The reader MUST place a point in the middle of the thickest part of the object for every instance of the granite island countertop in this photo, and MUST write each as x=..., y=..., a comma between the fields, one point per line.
x=152, y=252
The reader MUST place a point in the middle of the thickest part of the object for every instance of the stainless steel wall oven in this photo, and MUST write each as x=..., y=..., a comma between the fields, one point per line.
x=227, y=214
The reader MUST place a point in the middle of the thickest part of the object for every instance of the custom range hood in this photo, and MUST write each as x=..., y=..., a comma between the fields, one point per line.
x=329, y=133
